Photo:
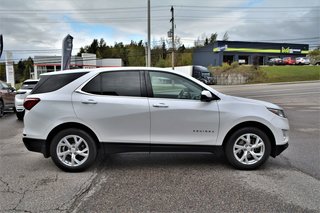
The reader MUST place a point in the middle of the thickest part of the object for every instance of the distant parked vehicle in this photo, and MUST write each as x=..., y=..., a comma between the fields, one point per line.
x=21, y=94
x=198, y=72
x=275, y=61
x=7, y=94
x=302, y=61
x=289, y=61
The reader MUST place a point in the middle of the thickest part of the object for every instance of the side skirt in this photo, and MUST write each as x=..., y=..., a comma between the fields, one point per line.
x=111, y=148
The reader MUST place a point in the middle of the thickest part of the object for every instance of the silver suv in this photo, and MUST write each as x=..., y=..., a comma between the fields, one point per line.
x=70, y=115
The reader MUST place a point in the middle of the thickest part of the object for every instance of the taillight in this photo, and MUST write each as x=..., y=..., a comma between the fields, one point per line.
x=30, y=102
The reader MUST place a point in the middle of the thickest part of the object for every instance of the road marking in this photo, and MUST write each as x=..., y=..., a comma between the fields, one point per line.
x=285, y=94
x=308, y=130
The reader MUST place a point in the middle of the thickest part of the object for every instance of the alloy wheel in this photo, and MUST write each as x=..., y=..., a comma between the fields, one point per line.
x=72, y=150
x=248, y=149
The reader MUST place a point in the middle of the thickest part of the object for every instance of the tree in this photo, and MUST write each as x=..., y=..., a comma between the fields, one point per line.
x=225, y=36
x=93, y=47
x=213, y=38
x=181, y=49
x=2, y=71
x=314, y=55
x=206, y=42
x=163, y=48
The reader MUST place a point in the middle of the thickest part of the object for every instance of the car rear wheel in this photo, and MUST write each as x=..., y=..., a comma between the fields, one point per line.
x=73, y=150
x=248, y=148
x=1, y=108
x=20, y=115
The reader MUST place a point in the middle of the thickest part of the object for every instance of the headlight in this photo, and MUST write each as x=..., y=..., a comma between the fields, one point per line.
x=278, y=112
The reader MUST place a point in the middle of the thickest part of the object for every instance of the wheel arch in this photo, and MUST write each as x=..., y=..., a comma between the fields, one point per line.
x=255, y=124
x=67, y=126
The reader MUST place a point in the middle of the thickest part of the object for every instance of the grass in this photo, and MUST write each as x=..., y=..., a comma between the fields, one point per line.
x=291, y=73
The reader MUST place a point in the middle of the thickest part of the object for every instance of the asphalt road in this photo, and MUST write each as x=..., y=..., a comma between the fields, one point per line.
x=171, y=182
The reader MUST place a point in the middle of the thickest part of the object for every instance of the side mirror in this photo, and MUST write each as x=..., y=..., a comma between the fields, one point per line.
x=206, y=96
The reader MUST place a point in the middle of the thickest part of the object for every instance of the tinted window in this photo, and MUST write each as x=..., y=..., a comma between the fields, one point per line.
x=118, y=83
x=94, y=86
x=49, y=83
x=29, y=85
x=167, y=85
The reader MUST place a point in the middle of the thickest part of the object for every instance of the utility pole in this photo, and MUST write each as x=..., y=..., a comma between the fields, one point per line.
x=172, y=31
x=146, y=53
x=149, y=42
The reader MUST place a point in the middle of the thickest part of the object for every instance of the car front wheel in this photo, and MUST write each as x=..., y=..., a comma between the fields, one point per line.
x=73, y=150
x=248, y=148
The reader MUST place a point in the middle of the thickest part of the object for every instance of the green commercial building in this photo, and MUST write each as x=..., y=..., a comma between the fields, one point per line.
x=245, y=52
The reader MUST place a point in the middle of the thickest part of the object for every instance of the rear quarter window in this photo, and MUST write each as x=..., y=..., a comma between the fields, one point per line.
x=50, y=83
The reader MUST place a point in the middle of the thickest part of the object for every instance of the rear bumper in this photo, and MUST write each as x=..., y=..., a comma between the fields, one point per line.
x=279, y=149
x=37, y=145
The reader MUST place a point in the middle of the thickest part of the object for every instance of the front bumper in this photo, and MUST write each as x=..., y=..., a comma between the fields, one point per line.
x=37, y=145
x=279, y=149
x=19, y=104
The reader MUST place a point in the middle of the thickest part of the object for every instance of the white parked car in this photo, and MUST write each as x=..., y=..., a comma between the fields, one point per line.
x=70, y=115
x=21, y=94
x=302, y=61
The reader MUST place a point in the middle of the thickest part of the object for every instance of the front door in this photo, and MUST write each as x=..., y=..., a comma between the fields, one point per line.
x=178, y=116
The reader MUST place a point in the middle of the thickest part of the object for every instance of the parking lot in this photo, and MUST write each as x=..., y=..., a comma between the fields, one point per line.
x=171, y=182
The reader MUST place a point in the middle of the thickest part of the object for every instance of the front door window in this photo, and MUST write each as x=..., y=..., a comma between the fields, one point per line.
x=167, y=85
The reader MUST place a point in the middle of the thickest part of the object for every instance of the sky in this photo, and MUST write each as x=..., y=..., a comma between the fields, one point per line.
x=37, y=27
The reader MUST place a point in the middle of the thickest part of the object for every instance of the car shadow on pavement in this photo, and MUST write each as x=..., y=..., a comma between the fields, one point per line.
x=161, y=160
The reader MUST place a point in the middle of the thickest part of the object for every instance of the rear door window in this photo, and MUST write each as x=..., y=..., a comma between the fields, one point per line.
x=118, y=83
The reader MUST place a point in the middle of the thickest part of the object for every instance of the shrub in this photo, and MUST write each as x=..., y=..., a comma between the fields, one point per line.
x=234, y=65
x=253, y=73
x=225, y=67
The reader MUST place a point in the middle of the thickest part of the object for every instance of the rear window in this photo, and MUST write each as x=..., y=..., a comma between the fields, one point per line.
x=50, y=83
x=29, y=85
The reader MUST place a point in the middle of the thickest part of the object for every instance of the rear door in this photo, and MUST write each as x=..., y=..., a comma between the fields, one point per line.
x=178, y=116
x=115, y=106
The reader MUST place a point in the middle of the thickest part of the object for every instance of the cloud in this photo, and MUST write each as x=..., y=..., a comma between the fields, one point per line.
x=43, y=24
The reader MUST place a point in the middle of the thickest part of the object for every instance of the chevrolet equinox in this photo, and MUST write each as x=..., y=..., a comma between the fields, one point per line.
x=71, y=115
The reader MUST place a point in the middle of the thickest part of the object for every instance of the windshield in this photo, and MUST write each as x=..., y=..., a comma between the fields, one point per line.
x=206, y=74
x=29, y=85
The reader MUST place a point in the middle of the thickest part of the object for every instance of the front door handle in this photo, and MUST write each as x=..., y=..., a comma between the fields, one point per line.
x=160, y=105
x=89, y=101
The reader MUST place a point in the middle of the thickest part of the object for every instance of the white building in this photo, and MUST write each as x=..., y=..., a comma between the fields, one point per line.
x=43, y=64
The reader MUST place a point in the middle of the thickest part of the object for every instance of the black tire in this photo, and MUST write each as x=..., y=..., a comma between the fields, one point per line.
x=236, y=137
x=20, y=115
x=1, y=108
x=88, y=143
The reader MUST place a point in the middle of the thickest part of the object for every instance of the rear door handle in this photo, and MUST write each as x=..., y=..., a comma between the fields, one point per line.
x=89, y=101
x=160, y=105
